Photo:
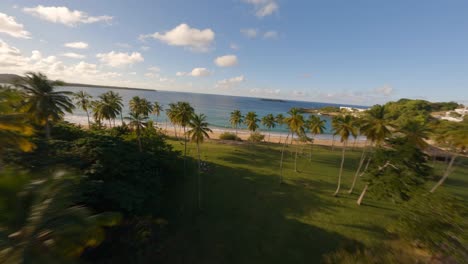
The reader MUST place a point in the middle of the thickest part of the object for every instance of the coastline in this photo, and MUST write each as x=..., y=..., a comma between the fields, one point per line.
x=271, y=137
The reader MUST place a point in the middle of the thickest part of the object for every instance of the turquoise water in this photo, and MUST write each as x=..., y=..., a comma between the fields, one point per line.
x=217, y=108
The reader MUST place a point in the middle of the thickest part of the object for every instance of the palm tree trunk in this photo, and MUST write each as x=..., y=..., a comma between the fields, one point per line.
x=361, y=162
x=333, y=143
x=447, y=172
x=47, y=129
x=121, y=118
x=341, y=168
x=236, y=130
x=139, y=140
x=199, y=177
x=367, y=166
x=89, y=123
x=281, y=162
x=279, y=142
x=295, y=158
x=311, y=148
x=359, y=201
x=185, y=152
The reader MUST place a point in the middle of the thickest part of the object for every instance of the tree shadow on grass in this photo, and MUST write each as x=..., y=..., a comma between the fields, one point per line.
x=248, y=217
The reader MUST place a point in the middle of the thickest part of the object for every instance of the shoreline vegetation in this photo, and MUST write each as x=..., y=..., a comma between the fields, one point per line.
x=122, y=191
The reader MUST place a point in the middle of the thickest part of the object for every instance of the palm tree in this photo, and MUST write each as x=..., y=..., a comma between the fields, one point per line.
x=171, y=113
x=107, y=107
x=115, y=100
x=295, y=123
x=140, y=106
x=280, y=121
x=251, y=121
x=334, y=124
x=183, y=116
x=416, y=133
x=236, y=119
x=157, y=109
x=198, y=132
x=456, y=137
x=345, y=128
x=42, y=102
x=269, y=122
x=137, y=122
x=376, y=127
x=316, y=126
x=83, y=101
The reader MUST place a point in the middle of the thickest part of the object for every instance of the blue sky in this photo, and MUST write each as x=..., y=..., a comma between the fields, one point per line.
x=357, y=52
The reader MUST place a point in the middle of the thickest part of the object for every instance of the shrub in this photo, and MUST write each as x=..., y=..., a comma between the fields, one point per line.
x=229, y=136
x=256, y=137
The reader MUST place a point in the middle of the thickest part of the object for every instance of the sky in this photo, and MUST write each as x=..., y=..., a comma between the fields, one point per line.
x=340, y=51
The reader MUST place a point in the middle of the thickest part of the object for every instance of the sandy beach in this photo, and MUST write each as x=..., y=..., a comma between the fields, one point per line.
x=273, y=137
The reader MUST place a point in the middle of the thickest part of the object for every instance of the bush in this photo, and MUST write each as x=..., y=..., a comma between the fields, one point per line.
x=256, y=137
x=229, y=136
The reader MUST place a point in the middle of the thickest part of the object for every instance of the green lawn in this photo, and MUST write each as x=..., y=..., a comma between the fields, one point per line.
x=248, y=217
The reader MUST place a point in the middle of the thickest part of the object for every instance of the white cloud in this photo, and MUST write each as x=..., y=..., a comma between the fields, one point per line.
x=226, y=61
x=73, y=55
x=154, y=69
x=185, y=36
x=116, y=59
x=263, y=7
x=123, y=45
x=385, y=90
x=249, y=32
x=196, y=72
x=145, y=48
x=9, y=26
x=77, y=45
x=132, y=73
x=150, y=74
x=230, y=83
x=63, y=15
x=270, y=34
x=264, y=91
x=234, y=46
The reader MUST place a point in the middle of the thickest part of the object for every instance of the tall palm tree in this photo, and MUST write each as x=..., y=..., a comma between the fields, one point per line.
x=157, y=109
x=171, y=113
x=83, y=101
x=251, y=121
x=279, y=118
x=106, y=108
x=295, y=122
x=376, y=127
x=198, y=132
x=42, y=101
x=269, y=122
x=115, y=100
x=183, y=116
x=334, y=124
x=137, y=122
x=236, y=119
x=316, y=126
x=344, y=128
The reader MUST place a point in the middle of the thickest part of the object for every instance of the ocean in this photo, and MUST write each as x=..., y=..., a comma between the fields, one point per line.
x=217, y=108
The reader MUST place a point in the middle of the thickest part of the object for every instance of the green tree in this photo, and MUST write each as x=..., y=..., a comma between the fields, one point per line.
x=157, y=109
x=171, y=113
x=183, y=116
x=236, y=119
x=269, y=122
x=295, y=122
x=416, y=133
x=115, y=99
x=108, y=107
x=42, y=102
x=251, y=121
x=83, y=101
x=198, y=132
x=344, y=128
x=316, y=126
x=140, y=106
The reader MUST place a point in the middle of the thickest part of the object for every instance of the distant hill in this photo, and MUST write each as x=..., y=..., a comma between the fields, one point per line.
x=10, y=78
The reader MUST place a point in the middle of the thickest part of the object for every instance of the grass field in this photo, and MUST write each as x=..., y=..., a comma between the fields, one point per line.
x=248, y=217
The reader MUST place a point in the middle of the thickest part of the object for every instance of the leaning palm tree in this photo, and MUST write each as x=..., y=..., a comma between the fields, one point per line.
x=269, y=122
x=344, y=128
x=334, y=123
x=42, y=102
x=316, y=126
x=376, y=127
x=83, y=101
x=279, y=118
x=251, y=121
x=198, y=132
x=295, y=122
x=416, y=133
x=171, y=113
x=183, y=116
x=137, y=122
x=236, y=119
